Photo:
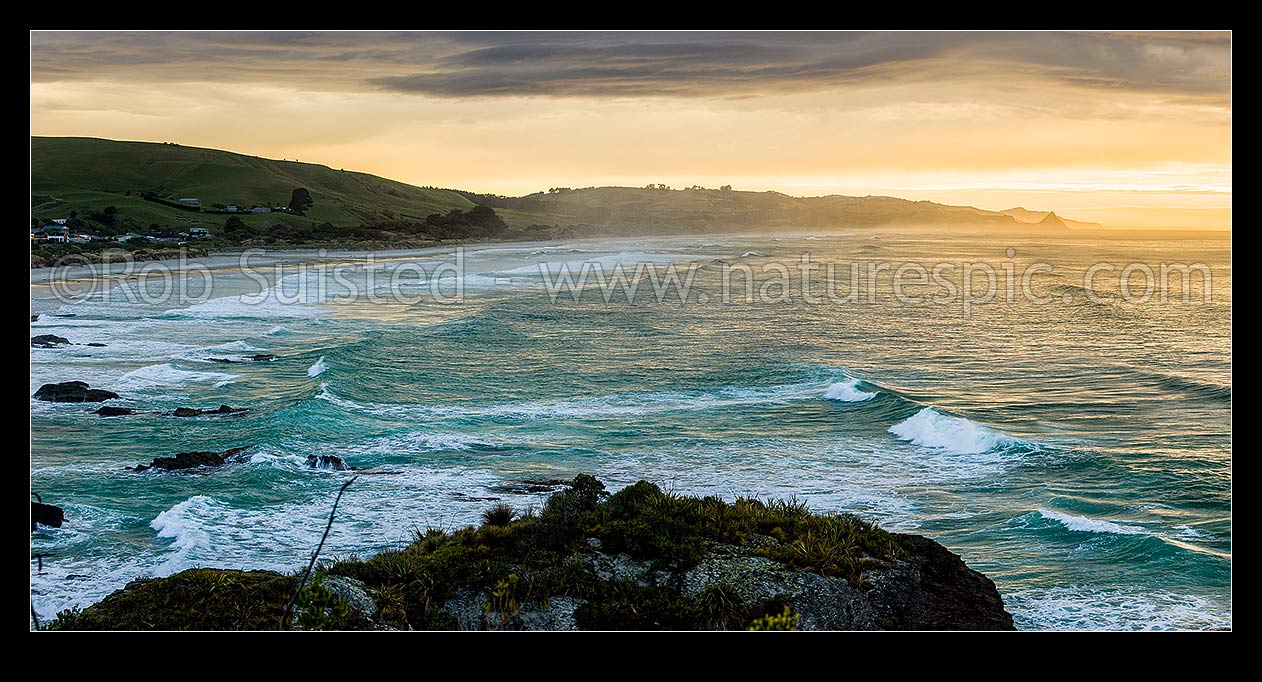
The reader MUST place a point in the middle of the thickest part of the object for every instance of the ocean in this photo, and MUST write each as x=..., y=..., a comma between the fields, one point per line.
x=1076, y=451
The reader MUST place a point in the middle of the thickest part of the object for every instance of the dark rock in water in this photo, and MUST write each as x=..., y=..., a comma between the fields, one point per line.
x=191, y=460
x=73, y=392
x=194, y=412
x=34, y=318
x=327, y=462
x=49, y=341
x=531, y=486
x=46, y=515
x=260, y=357
x=95, y=345
x=109, y=411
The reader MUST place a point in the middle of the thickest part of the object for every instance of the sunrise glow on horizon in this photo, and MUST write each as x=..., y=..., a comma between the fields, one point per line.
x=1129, y=130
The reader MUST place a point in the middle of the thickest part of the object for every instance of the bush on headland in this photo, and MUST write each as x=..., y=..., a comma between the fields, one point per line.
x=639, y=559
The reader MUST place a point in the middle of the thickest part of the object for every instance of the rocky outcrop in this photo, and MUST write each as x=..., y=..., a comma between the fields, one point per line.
x=73, y=392
x=639, y=559
x=193, y=460
x=194, y=412
x=46, y=515
x=110, y=411
x=327, y=462
x=49, y=341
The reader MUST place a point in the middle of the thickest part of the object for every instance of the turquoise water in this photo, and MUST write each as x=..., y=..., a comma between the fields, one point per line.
x=1078, y=453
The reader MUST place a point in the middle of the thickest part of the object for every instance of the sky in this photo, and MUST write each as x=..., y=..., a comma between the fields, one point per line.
x=1132, y=130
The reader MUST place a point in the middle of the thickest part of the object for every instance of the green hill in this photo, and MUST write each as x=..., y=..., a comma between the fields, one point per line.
x=701, y=210
x=84, y=174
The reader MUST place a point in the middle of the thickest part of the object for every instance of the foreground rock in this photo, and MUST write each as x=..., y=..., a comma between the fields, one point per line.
x=222, y=409
x=192, y=460
x=73, y=392
x=49, y=341
x=46, y=515
x=640, y=559
x=109, y=411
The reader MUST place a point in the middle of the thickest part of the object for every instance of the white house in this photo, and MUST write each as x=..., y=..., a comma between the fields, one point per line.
x=198, y=232
x=231, y=208
x=129, y=235
x=191, y=201
x=260, y=209
x=60, y=221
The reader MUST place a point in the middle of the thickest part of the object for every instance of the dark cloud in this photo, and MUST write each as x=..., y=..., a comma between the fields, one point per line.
x=487, y=64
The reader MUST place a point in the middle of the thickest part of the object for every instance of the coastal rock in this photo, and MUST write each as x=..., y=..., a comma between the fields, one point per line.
x=95, y=345
x=46, y=515
x=110, y=411
x=192, y=460
x=466, y=610
x=259, y=357
x=639, y=559
x=218, y=599
x=531, y=486
x=49, y=341
x=194, y=412
x=73, y=392
x=327, y=462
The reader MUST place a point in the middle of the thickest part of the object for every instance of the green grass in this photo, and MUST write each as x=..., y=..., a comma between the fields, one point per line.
x=86, y=174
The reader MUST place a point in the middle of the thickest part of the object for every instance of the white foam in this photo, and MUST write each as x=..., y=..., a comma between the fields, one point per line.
x=750, y=254
x=317, y=369
x=932, y=429
x=182, y=524
x=1084, y=524
x=1083, y=608
x=170, y=375
x=848, y=392
x=620, y=404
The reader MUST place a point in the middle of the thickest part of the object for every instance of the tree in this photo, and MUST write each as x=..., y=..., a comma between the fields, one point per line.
x=234, y=226
x=300, y=201
x=726, y=188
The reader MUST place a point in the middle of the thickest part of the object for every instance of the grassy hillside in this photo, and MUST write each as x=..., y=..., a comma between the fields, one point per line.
x=87, y=175
x=664, y=210
x=83, y=174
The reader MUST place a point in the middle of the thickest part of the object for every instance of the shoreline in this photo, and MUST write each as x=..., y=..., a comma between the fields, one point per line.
x=213, y=260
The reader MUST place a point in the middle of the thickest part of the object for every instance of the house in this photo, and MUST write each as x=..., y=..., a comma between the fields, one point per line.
x=192, y=201
x=81, y=238
x=198, y=232
x=231, y=208
x=58, y=238
x=128, y=236
x=60, y=221
x=260, y=209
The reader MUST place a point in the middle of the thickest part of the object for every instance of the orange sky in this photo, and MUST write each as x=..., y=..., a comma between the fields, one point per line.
x=1131, y=130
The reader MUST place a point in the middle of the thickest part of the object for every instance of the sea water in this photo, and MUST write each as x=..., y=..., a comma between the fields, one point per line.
x=1076, y=451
